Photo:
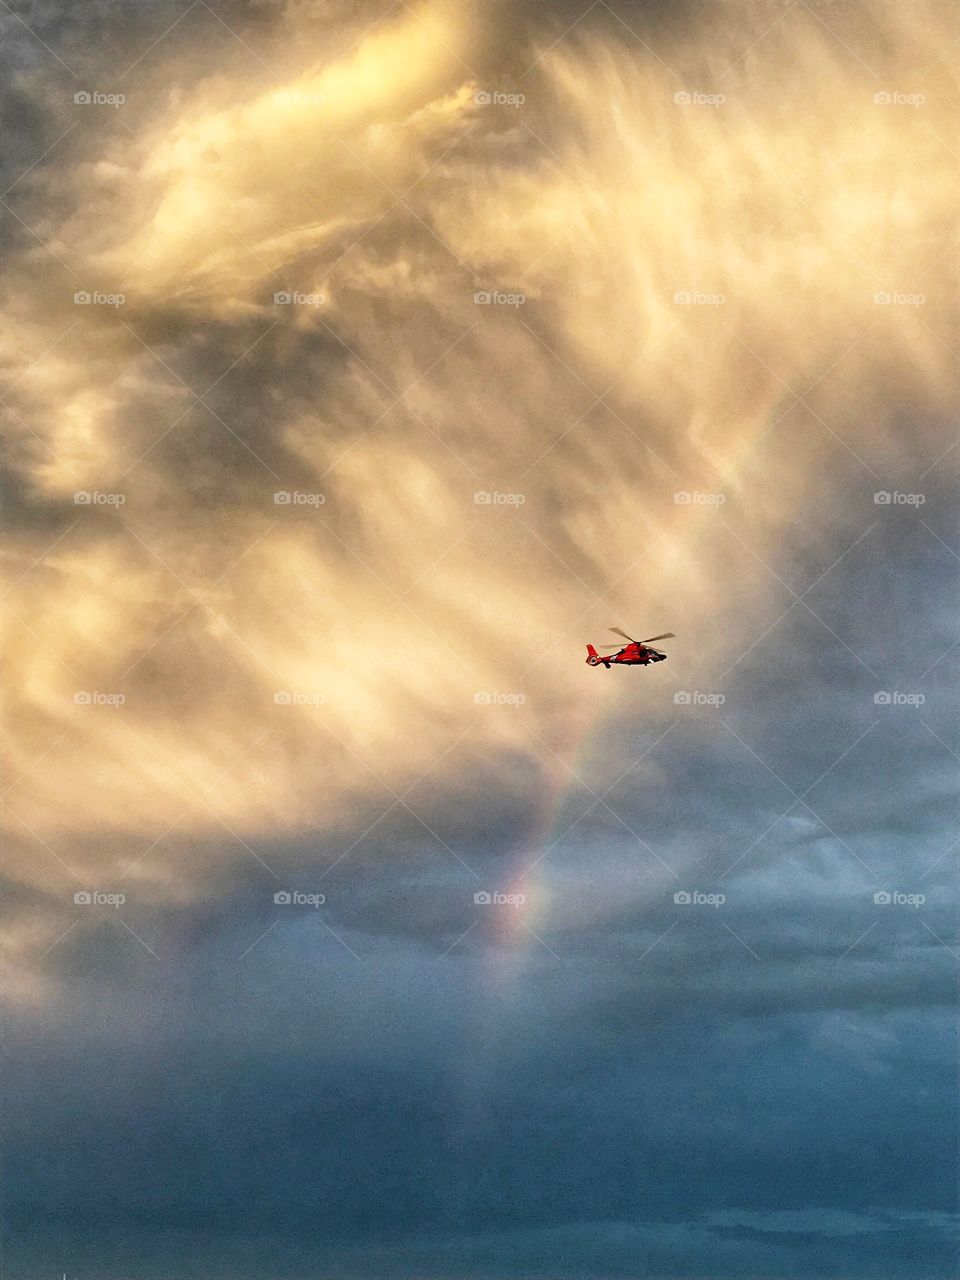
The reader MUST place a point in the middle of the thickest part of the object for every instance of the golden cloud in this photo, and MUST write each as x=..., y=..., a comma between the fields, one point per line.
x=692, y=272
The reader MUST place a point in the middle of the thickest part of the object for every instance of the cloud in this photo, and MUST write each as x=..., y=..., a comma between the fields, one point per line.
x=384, y=598
x=414, y=346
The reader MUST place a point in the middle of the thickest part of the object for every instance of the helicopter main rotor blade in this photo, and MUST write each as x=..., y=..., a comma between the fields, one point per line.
x=667, y=635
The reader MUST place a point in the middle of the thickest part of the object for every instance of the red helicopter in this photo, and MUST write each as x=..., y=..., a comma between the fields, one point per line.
x=635, y=654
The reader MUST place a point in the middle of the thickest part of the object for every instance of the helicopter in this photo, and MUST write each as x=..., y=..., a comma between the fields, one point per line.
x=635, y=654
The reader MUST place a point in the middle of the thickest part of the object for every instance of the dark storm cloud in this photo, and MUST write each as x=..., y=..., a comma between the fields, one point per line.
x=393, y=1126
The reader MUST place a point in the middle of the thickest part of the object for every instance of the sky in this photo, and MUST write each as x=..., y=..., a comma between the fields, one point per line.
x=362, y=362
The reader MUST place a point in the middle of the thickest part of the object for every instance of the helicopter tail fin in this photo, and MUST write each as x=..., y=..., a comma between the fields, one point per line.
x=592, y=656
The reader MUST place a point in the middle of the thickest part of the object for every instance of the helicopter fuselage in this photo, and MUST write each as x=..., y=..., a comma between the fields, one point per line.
x=631, y=655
